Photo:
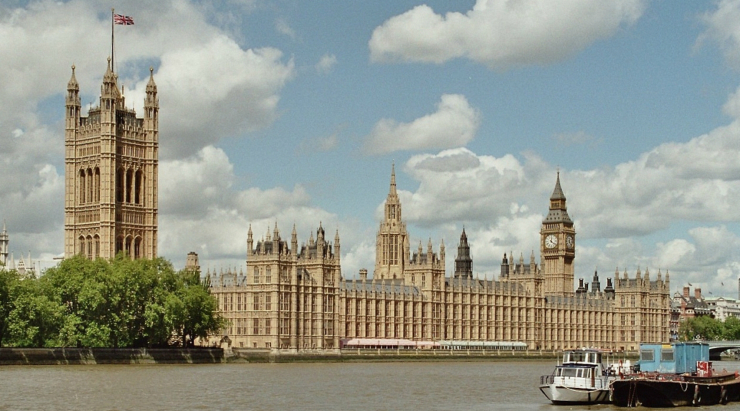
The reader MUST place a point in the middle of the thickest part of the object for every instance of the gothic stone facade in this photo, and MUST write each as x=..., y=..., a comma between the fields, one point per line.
x=111, y=160
x=297, y=299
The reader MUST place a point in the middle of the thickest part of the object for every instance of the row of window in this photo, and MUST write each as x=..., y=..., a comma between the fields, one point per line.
x=129, y=186
x=263, y=326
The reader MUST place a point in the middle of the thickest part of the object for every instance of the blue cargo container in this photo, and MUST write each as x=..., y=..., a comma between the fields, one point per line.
x=677, y=358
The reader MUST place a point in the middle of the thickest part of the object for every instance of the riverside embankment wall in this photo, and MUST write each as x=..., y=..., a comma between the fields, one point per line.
x=88, y=356
x=85, y=356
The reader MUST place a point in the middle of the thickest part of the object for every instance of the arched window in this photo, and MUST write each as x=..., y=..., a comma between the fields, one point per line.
x=129, y=184
x=97, y=185
x=119, y=244
x=138, y=191
x=119, y=187
x=97, y=246
x=90, y=184
x=81, y=196
x=128, y=246
x=89, y=248
x=82, y=245
x=137, y=247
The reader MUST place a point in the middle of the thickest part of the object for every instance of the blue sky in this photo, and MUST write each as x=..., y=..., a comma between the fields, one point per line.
x=293, y=112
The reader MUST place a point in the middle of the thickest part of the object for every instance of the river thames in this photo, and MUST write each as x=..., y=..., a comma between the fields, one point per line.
x=418, y=386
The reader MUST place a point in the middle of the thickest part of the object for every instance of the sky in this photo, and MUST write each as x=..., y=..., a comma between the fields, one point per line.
x=292, y=113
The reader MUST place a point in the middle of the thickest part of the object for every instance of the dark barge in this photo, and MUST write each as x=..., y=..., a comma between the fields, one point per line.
x=675, y=375
x=665, y=390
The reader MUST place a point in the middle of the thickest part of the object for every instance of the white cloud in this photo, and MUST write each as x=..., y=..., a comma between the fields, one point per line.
x=210, y=87
x=326, y=63
x=501, y=33
x=284, y=28
x=201, y=211
x=721, y=26
x=454, y=124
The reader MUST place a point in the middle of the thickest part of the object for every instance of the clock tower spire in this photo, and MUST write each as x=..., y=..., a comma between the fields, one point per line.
x=557, y=245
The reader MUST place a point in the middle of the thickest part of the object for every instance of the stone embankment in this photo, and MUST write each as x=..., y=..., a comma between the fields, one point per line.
x=85, y=356
x=88, y=356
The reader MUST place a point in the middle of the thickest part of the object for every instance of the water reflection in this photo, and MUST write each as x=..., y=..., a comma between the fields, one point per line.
x=356, y=386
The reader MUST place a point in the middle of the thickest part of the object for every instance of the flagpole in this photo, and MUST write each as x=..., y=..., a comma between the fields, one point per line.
x=112, y=11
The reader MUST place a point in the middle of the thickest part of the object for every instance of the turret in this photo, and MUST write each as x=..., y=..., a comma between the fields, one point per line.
x=72, y=118
x=595, y=283
x=109, y=93
x=250, y=241
x=151, y=106
x=294, y=241
x=336, y=245
x=609, y=290
x=504, y=268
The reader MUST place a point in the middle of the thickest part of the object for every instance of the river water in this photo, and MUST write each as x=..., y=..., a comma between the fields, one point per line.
x=417, y=386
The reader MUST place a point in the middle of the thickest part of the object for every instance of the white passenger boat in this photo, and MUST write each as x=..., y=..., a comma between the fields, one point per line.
x=582, y=378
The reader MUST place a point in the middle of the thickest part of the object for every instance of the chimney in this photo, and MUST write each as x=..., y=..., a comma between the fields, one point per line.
x=363, y=274
x=686, y=292
x=697, y=293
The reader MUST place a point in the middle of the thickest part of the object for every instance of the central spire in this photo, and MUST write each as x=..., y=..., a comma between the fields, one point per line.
x=393, y=204
x=392, y=192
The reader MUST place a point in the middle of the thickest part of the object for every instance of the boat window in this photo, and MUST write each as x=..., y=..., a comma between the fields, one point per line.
x=569, y=372
x=667, y=355
x=591, y=357
x=577, y=356
x=647, y=355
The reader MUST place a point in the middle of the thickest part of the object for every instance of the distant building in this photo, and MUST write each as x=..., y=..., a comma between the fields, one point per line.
x=111, y=161
x=296, y=298
x=684, y=305
x=24, y=266
x=723, y=308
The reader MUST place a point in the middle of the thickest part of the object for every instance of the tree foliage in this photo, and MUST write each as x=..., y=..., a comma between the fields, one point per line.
x=118, y=303
x=708, y=328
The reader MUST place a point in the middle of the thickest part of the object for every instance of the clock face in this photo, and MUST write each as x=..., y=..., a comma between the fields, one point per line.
x=551, y=241
x=569, y=241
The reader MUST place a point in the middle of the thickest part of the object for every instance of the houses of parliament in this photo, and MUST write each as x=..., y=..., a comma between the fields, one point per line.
x=296, y=298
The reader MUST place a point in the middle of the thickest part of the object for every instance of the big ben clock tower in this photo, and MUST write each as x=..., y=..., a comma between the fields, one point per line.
x=557, y=246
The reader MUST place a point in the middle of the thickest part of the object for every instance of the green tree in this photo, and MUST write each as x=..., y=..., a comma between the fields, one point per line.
x=37, y=315
x=8, y=280
x=193, y=309
x=117, y=303
x=703, y=327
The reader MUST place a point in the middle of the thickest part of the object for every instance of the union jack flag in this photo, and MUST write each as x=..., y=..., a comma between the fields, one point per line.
x=124, y=20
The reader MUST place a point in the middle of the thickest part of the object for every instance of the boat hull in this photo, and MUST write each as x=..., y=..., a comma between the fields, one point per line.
x=559, y=394
x=651, y=392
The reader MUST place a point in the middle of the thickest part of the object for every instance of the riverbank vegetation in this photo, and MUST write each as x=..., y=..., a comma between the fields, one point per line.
x=101, y=303
x=708, y=328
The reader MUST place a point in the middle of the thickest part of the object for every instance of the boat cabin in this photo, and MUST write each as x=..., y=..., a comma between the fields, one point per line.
x=676, y=358
x=582, y=356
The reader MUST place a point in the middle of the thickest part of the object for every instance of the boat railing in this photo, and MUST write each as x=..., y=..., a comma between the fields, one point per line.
x=576, y=382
